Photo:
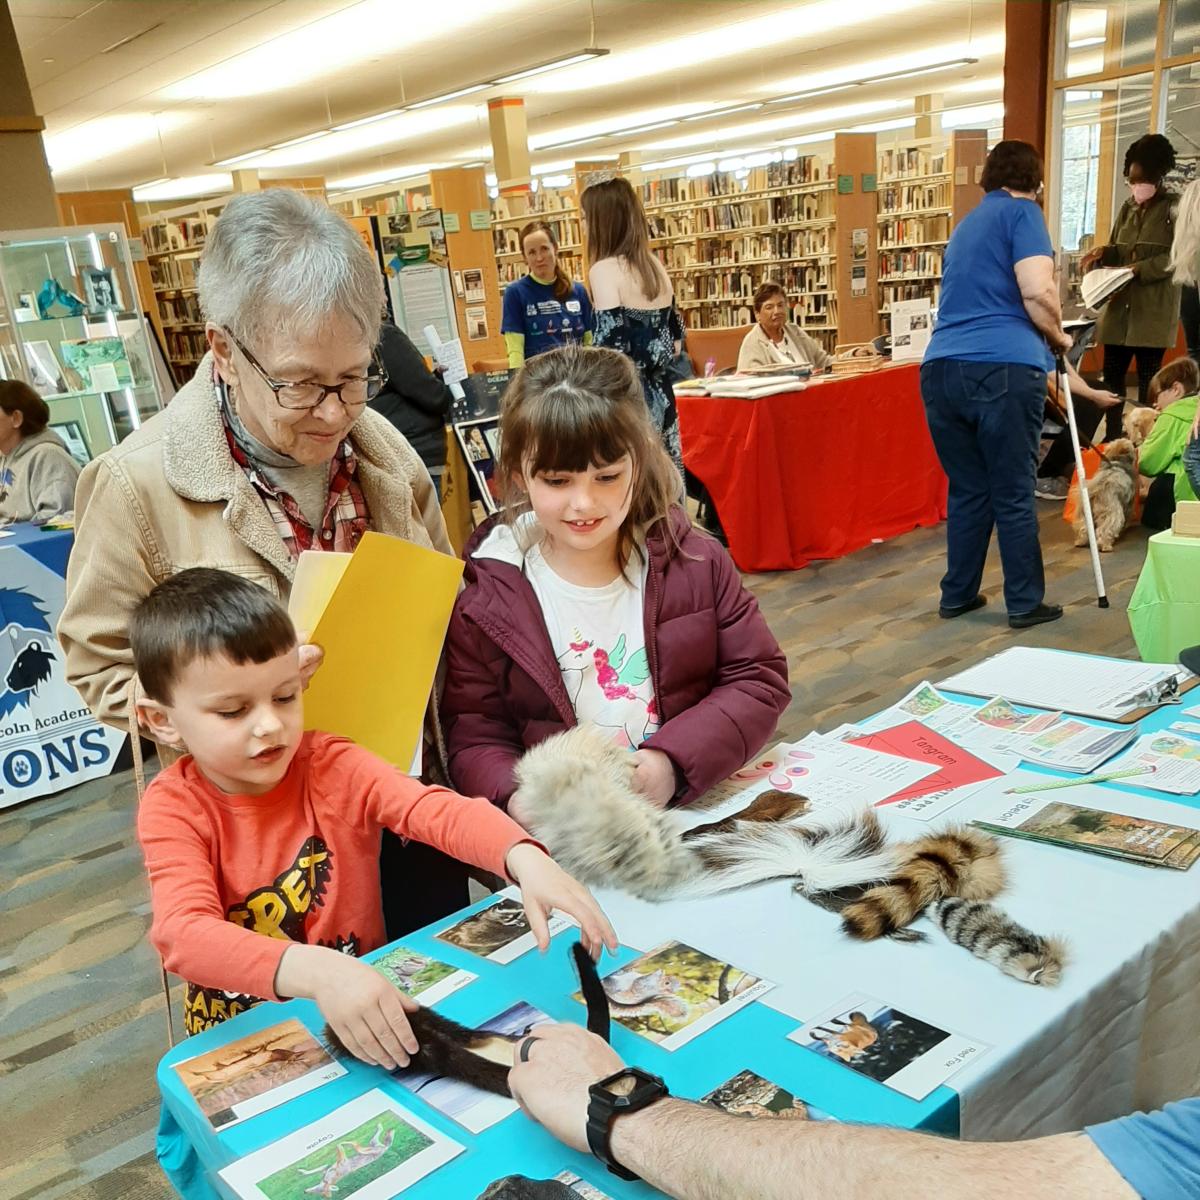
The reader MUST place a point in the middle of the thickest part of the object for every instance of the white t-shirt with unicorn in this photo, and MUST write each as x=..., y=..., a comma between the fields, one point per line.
x=599, y=640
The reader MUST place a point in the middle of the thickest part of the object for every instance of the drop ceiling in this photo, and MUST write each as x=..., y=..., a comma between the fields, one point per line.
x=138, y=90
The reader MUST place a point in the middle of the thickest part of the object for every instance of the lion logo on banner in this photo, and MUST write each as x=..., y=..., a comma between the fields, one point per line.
x=27, y=627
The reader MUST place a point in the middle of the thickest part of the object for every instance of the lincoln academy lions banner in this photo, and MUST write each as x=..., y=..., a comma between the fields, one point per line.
x=48, y=739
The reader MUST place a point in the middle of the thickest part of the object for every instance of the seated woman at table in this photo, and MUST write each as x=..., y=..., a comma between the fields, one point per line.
x=591, y=599
x=1173, y=392
x=37, y=472
x=775, y=341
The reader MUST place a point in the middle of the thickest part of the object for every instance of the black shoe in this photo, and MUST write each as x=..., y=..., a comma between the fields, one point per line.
x=948, y=612
x=1190, y=658
x=1035, y=616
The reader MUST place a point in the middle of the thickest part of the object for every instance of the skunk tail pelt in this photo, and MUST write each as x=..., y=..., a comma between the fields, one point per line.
x=821, y=852
x=960, y=862
x=575, y=789
x=593, y=993
x=995, y=937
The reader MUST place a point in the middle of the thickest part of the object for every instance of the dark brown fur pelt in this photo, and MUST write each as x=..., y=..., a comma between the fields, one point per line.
x=961, y=862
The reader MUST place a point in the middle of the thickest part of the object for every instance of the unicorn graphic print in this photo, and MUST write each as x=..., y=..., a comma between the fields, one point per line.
x=611, y=689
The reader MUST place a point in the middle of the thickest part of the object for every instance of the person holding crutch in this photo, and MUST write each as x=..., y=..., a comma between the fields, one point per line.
x=983, y=381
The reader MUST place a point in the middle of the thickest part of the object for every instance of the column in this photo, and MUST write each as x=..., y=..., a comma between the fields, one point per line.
x=1027, y=54
x=510, y=148
x=26, y=190
x=856, y=208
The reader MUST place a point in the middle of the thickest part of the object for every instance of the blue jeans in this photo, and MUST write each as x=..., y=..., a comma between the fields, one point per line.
x=986, y=421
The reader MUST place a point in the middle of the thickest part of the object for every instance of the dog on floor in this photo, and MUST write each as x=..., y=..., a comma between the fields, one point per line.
x=1111, y=491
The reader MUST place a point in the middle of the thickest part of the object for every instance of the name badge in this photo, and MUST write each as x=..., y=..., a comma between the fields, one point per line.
x=573, y=306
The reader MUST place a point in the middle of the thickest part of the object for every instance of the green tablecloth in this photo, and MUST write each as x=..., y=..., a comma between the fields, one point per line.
x=1164, y=611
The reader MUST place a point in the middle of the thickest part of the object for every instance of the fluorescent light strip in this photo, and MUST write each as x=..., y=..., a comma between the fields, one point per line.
x=467, y=91
x=553, y=65
x=383, y=116
x=853, y=83
x=711, y=113
x=299, y=141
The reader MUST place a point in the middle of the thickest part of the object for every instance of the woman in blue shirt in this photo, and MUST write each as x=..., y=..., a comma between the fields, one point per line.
x=983, y=381
x=545, y=308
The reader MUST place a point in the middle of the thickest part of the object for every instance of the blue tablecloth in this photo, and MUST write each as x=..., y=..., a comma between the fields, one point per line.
x=1057, y=1059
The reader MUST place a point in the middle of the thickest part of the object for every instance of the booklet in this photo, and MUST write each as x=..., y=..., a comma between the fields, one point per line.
x=1100, y=283
x=1077, y=747
x=1171, y=763
x=1098, y=831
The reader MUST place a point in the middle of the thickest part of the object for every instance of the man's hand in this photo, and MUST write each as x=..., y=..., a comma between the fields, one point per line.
x=654, y=776
x=364, y=1009
x=1103, y=399
x=545, y=886
x=311, y=657
x=552, y=1086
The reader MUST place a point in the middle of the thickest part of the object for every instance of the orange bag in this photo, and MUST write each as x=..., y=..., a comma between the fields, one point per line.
x=1091, y=464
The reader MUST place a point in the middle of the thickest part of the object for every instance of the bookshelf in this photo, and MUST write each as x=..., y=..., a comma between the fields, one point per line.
x=720, y=236
x=925, y=189
x=559, y=208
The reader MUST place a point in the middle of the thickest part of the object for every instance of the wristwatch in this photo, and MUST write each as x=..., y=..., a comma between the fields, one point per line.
x=628, y=1091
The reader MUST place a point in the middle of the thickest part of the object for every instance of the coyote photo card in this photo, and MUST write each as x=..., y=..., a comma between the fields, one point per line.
x=673, y=993
x=370, y=1148
x=876, y=1040
x=257, y=1072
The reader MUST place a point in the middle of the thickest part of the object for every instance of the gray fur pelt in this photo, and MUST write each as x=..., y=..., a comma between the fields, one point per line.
x=575, y=791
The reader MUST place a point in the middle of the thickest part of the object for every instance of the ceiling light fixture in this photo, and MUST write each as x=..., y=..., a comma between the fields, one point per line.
x=709, y=114
x=567, y=60
x=299, y=141
x=383, y=116
x=464, y=91
x=840, y=87
x=239, y=158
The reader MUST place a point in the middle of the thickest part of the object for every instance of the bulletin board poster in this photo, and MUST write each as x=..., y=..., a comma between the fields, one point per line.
x=421, y=296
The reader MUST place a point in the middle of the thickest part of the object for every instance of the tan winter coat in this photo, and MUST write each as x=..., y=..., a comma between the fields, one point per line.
x=756, y=349
x=170, y=497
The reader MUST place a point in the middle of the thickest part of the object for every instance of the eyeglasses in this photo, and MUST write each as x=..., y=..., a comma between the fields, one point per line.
x=304, y=397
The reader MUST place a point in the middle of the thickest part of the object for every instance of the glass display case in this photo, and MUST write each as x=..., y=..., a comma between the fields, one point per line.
x=72, y=326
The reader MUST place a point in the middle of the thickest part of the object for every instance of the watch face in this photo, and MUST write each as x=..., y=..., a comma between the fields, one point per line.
x=632, y=1087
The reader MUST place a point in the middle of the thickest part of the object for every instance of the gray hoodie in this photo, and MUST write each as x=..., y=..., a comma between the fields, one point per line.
x=37, y=479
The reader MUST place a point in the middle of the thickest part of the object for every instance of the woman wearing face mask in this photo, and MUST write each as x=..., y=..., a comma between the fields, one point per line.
x=545, y=308
x=1141, y=321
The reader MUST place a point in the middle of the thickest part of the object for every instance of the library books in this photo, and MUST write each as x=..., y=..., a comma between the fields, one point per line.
x=1100, y=284
x=909, y=161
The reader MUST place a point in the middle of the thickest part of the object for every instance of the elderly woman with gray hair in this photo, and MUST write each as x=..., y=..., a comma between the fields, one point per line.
x=269, y=450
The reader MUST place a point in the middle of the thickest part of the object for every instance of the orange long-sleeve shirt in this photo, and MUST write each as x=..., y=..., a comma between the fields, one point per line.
x=298, y=864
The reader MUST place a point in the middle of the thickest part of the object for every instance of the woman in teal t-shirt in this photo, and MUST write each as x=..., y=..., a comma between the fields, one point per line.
x=545, y=308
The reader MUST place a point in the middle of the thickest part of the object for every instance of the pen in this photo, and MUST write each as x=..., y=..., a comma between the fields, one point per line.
x=1055, y=784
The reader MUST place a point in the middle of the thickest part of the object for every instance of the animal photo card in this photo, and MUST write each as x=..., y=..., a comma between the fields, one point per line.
x=473, y=1108
x=870, y=1037
x=750, y=1095
x=673, y=993
x=501, y=931
x=371, y=1149
x=418, y=974
x=259, y=1071
x=580, y=1187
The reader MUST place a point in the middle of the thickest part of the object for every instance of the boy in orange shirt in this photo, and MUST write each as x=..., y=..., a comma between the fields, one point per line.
x=262, y=845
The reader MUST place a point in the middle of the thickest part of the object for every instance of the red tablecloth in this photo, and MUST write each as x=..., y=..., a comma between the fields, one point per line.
x=818, y=473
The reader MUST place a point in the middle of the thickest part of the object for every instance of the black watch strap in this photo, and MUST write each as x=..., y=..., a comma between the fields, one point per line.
x=604, y=1106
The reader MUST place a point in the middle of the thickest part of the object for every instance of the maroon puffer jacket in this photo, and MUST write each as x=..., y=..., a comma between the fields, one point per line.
x=720, y=678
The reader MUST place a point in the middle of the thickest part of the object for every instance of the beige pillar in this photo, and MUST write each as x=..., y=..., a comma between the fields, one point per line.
x=928, y=111
x=510, y=144
x=245, y=181
x=26, y=190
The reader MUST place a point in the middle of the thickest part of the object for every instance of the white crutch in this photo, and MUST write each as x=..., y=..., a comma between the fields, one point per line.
x=1083, y=498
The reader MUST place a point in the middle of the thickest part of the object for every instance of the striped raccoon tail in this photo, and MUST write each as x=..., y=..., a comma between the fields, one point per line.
x=995, y=937
x=821, y=852
x=960, y=862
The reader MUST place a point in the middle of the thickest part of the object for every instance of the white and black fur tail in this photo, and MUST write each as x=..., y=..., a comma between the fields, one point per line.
x=995, y=937
x=576, y=792
x=821, y=851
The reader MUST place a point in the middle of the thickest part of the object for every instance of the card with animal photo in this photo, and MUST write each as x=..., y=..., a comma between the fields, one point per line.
x=470, y=1106
x=580, y=1187
x=673, y=993
x=259, y=1071
x=750, y=1095
x=418, y=974
x=371, y=1149
x=501, y=931
x=870, y=1037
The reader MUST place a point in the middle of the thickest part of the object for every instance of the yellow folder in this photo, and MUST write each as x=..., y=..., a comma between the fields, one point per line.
x=380, y=614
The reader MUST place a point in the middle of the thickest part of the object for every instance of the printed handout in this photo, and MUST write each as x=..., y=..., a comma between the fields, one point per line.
x=1077, y=747
x=673, y=993
x=418, y=974
x=500, y=932
x=750, y=1095
x=874, y=1039
x=371, y=1149
x=471, y=1107
x=1172, y=763
x=257, y=1072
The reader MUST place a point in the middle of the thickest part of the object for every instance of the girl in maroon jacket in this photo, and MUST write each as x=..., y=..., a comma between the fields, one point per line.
x=592, y=599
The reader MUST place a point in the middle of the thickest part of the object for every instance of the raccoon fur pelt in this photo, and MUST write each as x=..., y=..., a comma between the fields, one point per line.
x=575, y=792
x=995, y=937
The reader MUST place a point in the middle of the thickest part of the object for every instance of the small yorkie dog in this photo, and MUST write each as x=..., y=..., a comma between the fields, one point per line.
x=1111, y=491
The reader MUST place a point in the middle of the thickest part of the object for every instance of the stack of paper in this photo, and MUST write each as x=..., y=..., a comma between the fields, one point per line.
x=1077, y=747
x=1172, y=763
x=1099, y=284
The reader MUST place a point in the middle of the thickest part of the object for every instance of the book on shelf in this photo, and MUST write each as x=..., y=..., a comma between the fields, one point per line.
x=799, y=172
x=910, y=197
x=909, y=161
x=897, y=232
